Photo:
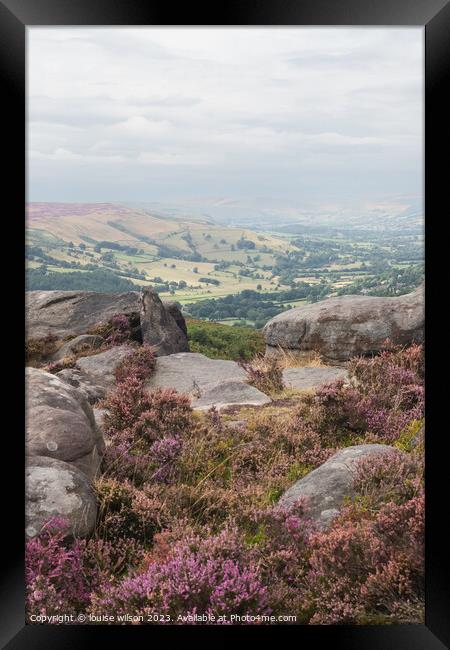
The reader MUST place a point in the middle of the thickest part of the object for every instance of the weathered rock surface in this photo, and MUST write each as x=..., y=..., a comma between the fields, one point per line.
x=60, y=423
x=92, y=391
x=100, y=367
x=94, y=375
x=346, y=326
x=162, y=327
x=69, y=313
x=78, y=344
x=193, y=373
x=55, y=488
x=312, y=377
x=176, y=314
x=229, y=393
x=327, y=486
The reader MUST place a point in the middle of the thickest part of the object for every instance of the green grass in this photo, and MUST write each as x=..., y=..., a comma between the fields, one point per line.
x=223, y=341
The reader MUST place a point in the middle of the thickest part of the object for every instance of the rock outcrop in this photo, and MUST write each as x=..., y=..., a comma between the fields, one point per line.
x=162, y=327
x=70, y=313
x=94, y=375
x=346, y=326
x=193, y=373
x=54, y=488
x=326, y=487
x=60, y=423
x=230, y=393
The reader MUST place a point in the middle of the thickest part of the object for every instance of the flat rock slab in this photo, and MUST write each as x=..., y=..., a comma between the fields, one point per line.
x=193, y=373
x=230, y=393
x=54, y=488
x=326, y=487
x=312, y=377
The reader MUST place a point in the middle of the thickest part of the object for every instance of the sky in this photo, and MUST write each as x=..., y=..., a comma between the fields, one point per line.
x=309, y=115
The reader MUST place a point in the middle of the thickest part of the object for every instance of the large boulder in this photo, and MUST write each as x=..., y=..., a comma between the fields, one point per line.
x=346, y=326
x=94, y=375
x=69, y=313
x=163, y=328
x=193, y=373
x=54, y=488
x=312, y=377
x=60, y=423
x=230, y=393
x=326, y=487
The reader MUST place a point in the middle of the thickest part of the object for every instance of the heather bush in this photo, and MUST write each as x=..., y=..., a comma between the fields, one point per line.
x=55, y=366
x=37, y=350
x=385, y=394
x=117, y=331
x=126, y=512
x=199, y=576
x=369, y=569
x=388, y=478
x=56, y=580
x=265, y=374
x=139, y=364
x=145, y=430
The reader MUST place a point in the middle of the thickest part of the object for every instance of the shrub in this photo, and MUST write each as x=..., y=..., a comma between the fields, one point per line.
x=265, y=374
x=56, y=366
x=37, y=350
x=219, y=341
x=388, y=478
x=139, y=364
x=368, y=570
x=199, y=576
x=55, y=577
x=125, y=512
x=385, y=395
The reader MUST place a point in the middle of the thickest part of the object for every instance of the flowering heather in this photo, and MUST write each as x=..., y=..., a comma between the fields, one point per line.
x=369, y=570
x=55, y=578
x=139, y=364
x=188, y=521
x=119, y=330
x=126, y=512
x=200, y=576
x=386, y=394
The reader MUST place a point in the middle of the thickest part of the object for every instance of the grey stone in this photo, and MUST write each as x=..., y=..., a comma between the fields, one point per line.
x=312, y=377
x=193, y=373
x=78, y=344
x=326, y=487
x=69, y=313
x=176, y=314
x=99, y=415
x=346, y=326
x=100, y=368
x=160, y=326
x=55, y=488
x=60, y=422
x=230, y=393
x=92, y=391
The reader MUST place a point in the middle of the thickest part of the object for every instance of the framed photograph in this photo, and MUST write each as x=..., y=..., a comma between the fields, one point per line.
x=227, y=220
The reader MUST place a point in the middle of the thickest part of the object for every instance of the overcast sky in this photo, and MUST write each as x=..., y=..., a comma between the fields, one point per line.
x=157, y=114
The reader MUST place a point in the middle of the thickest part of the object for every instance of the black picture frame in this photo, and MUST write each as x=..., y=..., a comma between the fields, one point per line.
x=434, y=15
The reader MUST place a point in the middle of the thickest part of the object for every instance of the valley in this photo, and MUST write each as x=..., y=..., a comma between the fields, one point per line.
x=216, y=271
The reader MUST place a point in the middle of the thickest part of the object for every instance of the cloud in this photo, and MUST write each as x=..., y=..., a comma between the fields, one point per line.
x=154, y=113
